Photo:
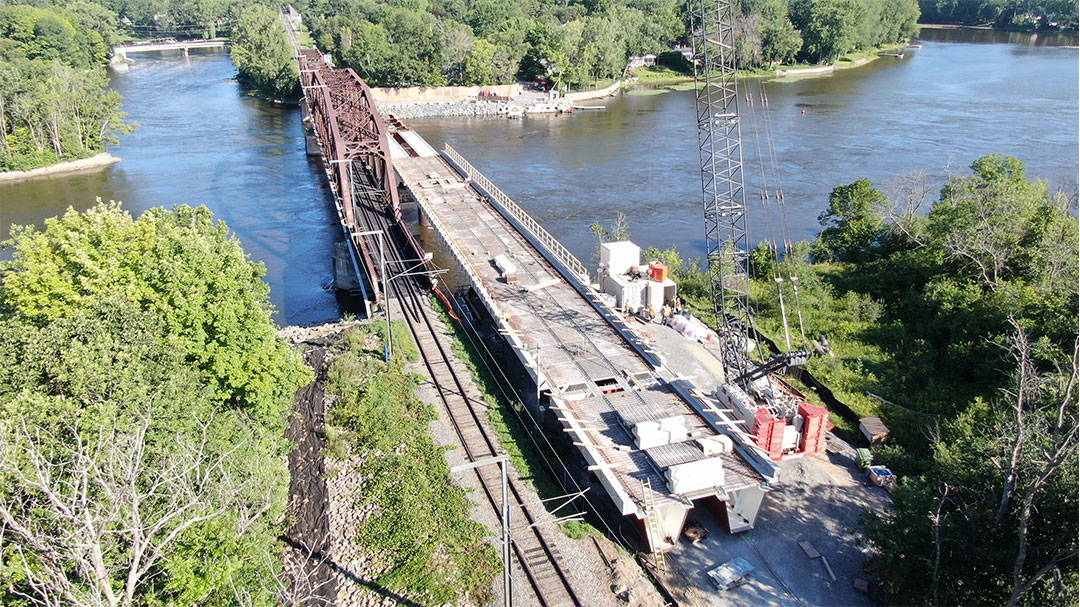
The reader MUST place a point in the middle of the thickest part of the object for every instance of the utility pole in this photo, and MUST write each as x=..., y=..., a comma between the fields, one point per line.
x=502, y=461
x=389, y=348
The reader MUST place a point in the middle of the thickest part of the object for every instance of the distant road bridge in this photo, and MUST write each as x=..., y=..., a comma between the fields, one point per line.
x=120, y=52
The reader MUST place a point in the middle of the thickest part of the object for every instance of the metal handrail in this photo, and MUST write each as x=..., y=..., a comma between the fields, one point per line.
x=527, y=223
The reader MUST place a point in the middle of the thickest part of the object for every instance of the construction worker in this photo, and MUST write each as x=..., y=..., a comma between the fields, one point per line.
x=665, y=313
x=652, y=313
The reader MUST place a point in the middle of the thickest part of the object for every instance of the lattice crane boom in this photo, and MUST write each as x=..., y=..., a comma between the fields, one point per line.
x=723, y=196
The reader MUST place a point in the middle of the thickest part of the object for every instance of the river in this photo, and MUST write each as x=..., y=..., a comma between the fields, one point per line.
x=200, y=141
x=962, y=95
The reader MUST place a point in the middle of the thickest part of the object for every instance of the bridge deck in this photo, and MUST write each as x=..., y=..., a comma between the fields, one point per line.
x=593, y=375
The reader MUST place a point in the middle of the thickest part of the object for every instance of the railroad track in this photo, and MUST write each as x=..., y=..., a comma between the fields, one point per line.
x=536, y=554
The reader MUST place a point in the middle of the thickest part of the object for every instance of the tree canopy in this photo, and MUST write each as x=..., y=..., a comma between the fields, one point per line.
x=143, y=396
x=853, y=221
x=180, y=264
x=262, y=53
x=976, y=333
x=55, y=103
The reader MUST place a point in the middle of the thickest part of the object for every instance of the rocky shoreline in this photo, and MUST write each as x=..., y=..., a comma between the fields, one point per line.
x=97, y=161
x=447, y=108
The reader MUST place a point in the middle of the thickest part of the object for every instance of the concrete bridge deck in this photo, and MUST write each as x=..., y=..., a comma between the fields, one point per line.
x=123, y=50
x=594, y=377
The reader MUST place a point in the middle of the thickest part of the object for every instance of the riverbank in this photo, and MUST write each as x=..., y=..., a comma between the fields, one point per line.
x=445, y=108
x=670, y=80
x=97, y=161
x=1025, y=30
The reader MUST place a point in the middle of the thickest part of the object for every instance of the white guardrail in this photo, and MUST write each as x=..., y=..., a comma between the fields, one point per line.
x=527, y=223
x=527, y=358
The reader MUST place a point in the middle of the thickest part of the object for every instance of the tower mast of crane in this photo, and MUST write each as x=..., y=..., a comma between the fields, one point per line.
x=723, y=198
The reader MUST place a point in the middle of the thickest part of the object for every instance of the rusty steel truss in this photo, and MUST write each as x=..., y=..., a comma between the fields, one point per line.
x=353, y=139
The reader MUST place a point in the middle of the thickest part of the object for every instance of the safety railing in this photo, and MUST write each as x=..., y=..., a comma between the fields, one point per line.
x=554, y=248
x=478, y=284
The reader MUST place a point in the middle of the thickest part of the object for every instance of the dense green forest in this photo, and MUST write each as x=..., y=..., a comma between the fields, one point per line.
x=433, y=42
x=55, y=103
x=1007, y=14
x=962, y=313
x=143, y=397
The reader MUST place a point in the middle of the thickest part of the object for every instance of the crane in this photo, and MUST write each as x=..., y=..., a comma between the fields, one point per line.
x=749, y=385
x=723, y=196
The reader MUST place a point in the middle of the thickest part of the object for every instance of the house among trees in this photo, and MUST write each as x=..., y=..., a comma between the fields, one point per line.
x=637, y=61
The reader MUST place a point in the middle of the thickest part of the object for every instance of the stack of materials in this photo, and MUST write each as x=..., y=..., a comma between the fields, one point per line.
x=692, y=328
x=695, y=476
x=653, y=433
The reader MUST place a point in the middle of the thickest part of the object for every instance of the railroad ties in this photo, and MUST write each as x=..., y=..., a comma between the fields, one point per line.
x=602, y=383
x=353, y=141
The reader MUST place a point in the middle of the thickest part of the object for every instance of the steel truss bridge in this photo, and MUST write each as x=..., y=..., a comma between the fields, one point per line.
x=352, y=137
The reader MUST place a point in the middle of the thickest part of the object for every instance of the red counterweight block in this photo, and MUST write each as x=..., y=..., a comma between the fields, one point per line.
x=769, y=433
x=814, y=428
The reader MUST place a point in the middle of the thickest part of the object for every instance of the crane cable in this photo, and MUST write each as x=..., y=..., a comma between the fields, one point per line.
x=767, y=211
x=782, y=212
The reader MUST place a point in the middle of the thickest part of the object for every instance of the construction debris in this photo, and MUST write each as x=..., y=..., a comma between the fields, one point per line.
x=731, y=574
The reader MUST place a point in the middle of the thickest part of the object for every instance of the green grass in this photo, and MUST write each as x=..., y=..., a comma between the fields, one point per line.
x=798, y=67
x=404, y=346
x=416, y=530
x=659, y=74
x=682, y=86
x=647, y=92
x=591, y=85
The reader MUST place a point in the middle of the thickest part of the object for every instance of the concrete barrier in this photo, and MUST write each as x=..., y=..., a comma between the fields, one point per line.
x=607, y=91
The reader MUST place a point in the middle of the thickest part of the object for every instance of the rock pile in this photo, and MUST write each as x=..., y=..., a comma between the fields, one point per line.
x=455, y=108
x=344, y=481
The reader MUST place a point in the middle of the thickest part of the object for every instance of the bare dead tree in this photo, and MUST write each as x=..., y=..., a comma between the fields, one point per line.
x=304, y=580
x=908, y=193
x=1044, y=439
x=89, y=513
x=1019, y=396
x=937, y=521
